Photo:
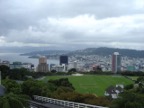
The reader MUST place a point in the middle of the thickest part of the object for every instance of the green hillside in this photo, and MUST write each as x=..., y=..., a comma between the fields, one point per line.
x=95, y=84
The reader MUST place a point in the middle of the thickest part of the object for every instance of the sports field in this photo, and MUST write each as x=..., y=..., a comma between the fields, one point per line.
x=95, y=84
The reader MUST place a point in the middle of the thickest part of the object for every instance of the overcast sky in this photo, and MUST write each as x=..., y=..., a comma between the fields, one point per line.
x=71, y=24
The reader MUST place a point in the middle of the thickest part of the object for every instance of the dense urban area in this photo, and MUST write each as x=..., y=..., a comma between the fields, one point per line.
x=82, y=60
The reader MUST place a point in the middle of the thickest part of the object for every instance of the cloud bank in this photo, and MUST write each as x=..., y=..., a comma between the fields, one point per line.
x=71, y=24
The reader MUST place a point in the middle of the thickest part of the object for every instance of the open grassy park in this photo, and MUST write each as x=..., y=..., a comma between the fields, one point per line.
x=95, y=84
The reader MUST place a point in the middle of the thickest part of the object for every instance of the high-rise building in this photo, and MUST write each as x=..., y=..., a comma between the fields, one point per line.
x=63, y=59
x=42, y=59
x=42, y=66
x=64, y=62
x=75, y=64
x=116, y=62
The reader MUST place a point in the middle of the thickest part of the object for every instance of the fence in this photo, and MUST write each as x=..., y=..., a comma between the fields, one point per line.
x=67, y=104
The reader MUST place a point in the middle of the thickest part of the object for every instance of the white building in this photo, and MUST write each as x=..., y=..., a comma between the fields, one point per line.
x=60, y=68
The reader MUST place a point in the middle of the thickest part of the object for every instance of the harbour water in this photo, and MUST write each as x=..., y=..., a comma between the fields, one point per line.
x=12, y=57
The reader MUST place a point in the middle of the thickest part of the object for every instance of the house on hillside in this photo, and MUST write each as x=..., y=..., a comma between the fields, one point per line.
x=113, y=91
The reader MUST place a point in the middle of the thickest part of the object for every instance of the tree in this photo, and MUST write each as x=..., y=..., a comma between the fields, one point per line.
x=13, y=101
x=53, y=71
x=4, y=71
x=140, y=82
x=18, y=74
x=72, y=70
x=98, y=68
x=140, y=79
x=130, y=86
x=31, y=87
x=34, y=87
x=62, y=82
x=12, y=86
x=129, y=99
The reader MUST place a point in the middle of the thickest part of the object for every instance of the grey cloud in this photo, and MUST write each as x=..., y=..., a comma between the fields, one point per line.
x=72, y=35
x=20, y=14
x=17, y=16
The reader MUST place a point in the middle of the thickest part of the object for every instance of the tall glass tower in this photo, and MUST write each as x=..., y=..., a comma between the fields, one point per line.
x=116, y=62
x=64, y=59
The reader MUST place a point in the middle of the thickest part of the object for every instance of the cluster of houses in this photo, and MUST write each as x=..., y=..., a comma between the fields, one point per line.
x=114, y=91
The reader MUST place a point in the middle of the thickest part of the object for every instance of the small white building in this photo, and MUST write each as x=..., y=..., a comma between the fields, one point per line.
x=60, y=68
x=113, y=91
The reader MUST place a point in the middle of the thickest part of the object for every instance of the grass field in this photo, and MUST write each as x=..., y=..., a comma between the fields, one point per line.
x=95, y=84
x=133, y=77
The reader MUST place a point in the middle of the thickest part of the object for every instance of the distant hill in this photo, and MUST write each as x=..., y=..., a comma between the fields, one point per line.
x=109, y=51
x=46, y=52
x=90, y=51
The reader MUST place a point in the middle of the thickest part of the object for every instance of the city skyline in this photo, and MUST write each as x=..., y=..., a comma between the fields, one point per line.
x=71, y=24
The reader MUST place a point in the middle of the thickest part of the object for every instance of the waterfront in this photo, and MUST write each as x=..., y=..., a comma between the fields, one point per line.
x=12, y=57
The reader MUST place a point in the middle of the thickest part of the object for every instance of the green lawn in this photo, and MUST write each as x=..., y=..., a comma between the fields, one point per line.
x=133, y=77
x=95, y=84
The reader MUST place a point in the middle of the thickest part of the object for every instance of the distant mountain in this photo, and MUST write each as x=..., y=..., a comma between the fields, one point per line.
x=109, y=51
x=46, y=52
x=103, y=51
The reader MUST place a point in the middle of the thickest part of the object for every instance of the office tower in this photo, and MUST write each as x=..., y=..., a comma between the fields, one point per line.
x=75, y=64
x=42, y=59
x=64, y=60
x=42, y=66
x=116, y=62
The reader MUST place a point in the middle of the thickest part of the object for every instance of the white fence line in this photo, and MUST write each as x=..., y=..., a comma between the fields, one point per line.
x=64, y=103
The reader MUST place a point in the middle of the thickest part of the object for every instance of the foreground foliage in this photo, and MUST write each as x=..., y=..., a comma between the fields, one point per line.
x=61, y=89
x=132, y=97
x=11, y=100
